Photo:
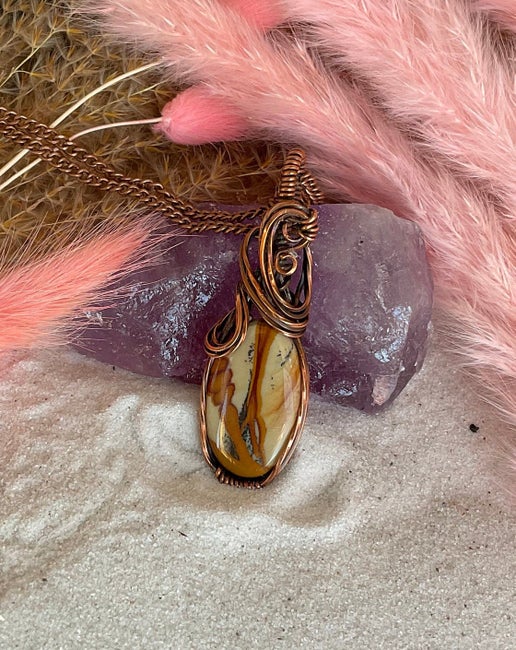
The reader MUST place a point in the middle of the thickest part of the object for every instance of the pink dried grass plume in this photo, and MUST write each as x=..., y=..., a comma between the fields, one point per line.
x=283, y=93
x=41, y=302
x=356, y=152
x=501, y=11
x=263, y=15
x=195, y=116
x=431, y=65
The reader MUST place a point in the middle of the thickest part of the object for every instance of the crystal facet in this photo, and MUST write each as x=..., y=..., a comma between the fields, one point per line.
x=253, y=401
x=369, y=320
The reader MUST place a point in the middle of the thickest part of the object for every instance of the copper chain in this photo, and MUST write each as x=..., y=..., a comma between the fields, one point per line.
x=65, y=155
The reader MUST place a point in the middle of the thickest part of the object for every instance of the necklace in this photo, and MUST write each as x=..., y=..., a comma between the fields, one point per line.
x=254, y=393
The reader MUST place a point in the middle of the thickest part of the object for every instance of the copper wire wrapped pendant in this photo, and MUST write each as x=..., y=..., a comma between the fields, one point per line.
x=255, y=387
x=255, y=404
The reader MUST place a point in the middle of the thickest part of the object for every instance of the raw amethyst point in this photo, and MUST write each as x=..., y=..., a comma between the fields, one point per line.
x=371, y=306
x=369, y=320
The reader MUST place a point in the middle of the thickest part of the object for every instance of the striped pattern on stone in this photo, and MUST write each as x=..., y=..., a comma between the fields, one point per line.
x=253, y=400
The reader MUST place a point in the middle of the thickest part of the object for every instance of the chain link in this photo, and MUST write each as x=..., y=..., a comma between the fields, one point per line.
x=65, y=155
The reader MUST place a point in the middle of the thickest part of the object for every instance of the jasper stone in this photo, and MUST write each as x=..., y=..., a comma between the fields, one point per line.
x=369, y=321
x=253, y=401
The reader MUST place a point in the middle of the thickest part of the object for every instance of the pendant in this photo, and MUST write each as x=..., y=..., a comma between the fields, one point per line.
x=255, y=387
x=255, y=401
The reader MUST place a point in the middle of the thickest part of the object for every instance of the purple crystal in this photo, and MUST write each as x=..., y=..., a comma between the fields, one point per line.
x=370, y=312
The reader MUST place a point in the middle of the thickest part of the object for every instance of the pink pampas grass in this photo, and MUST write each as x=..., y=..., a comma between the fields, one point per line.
x=501, y=11
x=261, y=14
x=41, y=301
x=195, y=117
x=431, y=66
x=280, y=93
x=356, y=152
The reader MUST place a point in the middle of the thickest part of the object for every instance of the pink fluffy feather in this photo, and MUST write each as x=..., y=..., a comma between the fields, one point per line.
x=356, y=153
x=40, y=301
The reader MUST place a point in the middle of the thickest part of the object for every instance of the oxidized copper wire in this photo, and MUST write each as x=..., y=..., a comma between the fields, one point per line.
x=226, y=335
x=286, y=231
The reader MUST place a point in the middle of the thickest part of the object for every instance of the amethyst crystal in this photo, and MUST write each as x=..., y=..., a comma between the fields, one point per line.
x=370, y=312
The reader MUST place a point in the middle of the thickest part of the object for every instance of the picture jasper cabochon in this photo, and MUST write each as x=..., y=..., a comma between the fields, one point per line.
x=254, y=405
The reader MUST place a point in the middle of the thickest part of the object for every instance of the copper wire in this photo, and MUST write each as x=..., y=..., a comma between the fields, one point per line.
x=285, y=233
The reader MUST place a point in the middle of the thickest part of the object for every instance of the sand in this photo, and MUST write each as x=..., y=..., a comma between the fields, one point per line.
x=385, y=531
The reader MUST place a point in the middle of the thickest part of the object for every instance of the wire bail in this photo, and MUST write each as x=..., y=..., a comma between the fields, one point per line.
x=280, y=288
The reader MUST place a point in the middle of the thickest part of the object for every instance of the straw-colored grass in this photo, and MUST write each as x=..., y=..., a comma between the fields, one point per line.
x=47, y=63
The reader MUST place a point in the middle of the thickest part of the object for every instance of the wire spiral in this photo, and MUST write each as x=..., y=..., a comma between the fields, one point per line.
x=283, y=238
x=284, y=259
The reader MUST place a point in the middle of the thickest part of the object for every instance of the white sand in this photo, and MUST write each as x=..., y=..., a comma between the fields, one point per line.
x=384, y=532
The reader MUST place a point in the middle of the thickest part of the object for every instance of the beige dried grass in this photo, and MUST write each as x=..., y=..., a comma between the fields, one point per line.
x=47, y=63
